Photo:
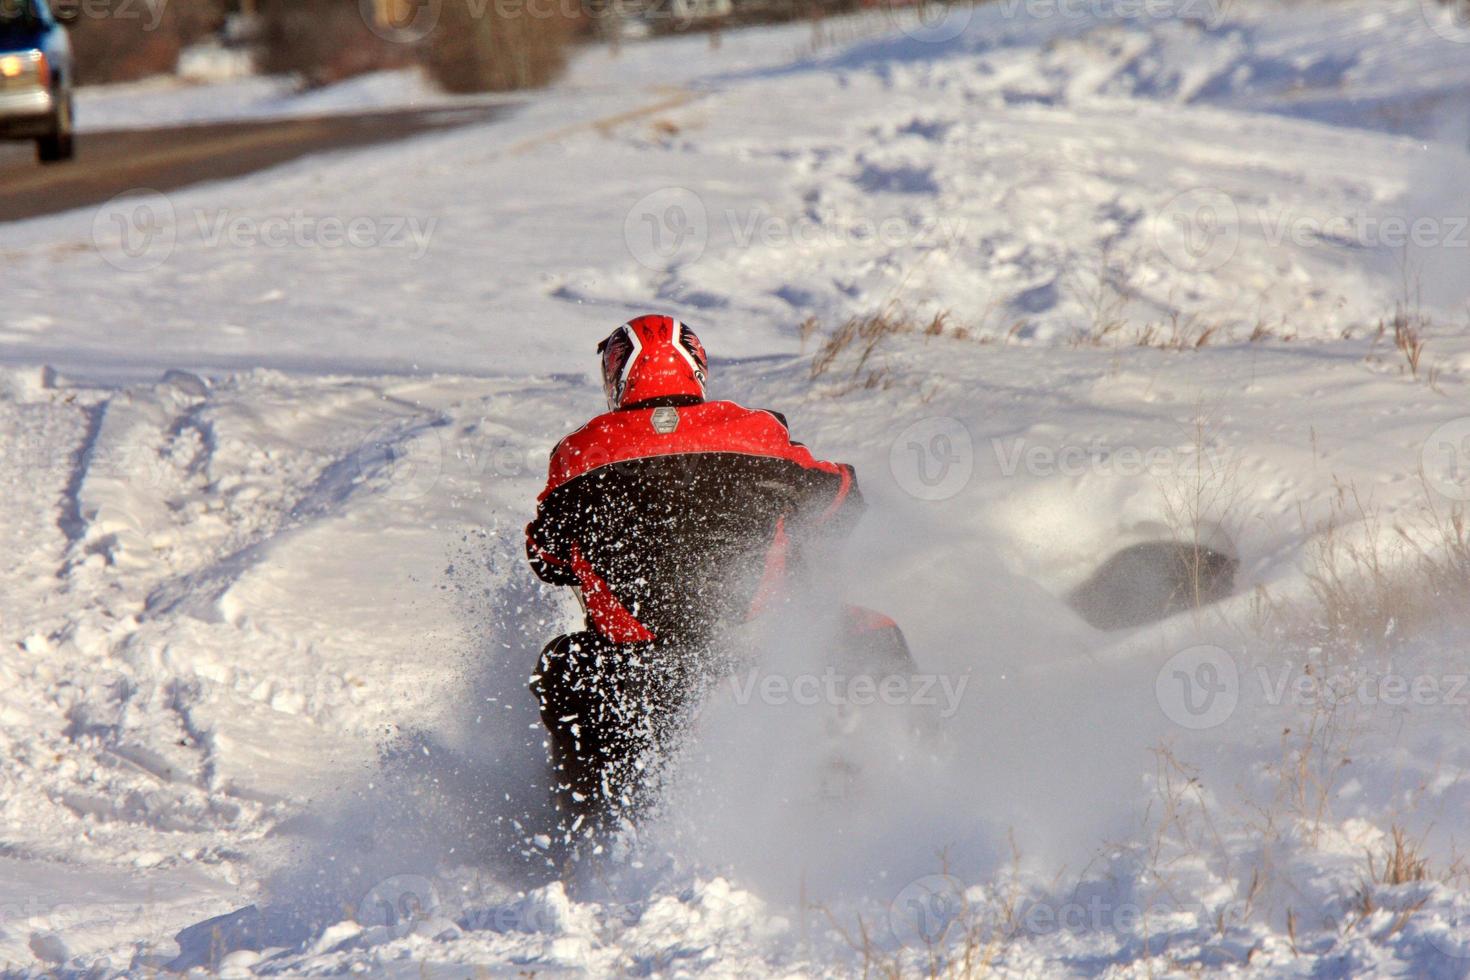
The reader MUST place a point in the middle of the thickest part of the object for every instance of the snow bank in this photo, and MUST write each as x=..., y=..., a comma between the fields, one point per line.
x=290, y=634
x=269, y=627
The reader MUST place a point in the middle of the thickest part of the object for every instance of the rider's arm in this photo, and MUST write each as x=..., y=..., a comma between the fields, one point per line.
x=545, y=551
x=549, y=566
x=832, y=501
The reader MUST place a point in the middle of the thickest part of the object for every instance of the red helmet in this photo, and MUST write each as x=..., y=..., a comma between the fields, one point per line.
x=652, y=357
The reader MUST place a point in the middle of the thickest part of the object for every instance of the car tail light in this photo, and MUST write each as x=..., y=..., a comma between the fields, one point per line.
x=26, y=64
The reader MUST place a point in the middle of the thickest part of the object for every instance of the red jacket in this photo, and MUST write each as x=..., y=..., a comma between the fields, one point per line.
x=675, y=515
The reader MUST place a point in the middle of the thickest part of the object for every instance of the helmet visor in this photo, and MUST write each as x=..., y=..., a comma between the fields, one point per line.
x=617, y=352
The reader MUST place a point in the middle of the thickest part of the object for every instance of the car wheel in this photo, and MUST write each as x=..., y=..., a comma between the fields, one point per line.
x=58, y=145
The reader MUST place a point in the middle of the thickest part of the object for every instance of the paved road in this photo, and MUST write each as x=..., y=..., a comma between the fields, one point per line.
x=109, y=163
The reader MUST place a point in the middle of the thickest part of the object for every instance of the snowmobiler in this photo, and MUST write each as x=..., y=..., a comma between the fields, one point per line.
x=675, y=518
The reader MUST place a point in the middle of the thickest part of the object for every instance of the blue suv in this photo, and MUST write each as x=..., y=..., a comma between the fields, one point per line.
x=35, y=76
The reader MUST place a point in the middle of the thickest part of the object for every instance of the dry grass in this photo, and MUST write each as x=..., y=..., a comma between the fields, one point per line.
x=1099, y=283
x=1315, y=753
x=848, y=354
x=1408, y=339
x=965, y=948
x=1409, y=325
x=1401, y=861
x=1368, y=590
x=1383, y=580
x=1201, y=504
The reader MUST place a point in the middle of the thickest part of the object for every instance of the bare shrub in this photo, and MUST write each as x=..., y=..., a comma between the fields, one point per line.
x=1401, y=861
x=1408, y=338
x=1099, y=282
x=499, y=47
x=323, y=41
x=1380, y=581
x=133, y=41
x=1201, y=508
x=1314, y=754
x=963, y=948
x=847, y=352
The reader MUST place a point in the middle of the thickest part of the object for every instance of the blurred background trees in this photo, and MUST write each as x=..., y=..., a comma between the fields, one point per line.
x=465, y=45
x=125, y=40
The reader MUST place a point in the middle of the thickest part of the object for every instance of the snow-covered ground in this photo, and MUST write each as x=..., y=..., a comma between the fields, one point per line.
x=268, y=626
x=170, y=101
